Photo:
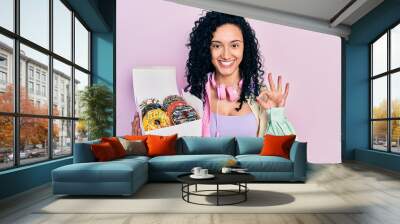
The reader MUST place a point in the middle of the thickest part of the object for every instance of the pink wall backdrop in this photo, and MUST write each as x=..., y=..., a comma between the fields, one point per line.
x=154, y=32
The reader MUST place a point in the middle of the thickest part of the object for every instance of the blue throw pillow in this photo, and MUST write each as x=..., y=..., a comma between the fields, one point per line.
x=248, y=145
x=192, y=145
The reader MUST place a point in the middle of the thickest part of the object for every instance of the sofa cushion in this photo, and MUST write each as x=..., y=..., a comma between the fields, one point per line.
x=193, y=145
x=249, y=145
x=257, y=163
x=131, y=158
x=111, y=171
x=83, y=152
x=185, y=163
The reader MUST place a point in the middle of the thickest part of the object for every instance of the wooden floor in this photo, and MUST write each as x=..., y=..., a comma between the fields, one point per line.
x=378, y=188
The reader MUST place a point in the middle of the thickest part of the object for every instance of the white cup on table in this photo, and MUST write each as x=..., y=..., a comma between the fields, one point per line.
x=203, y=172
x=196, y=171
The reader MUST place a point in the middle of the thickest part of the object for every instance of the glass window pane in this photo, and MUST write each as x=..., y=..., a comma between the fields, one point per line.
x=6, y=74
x=34, y=97
x=35, y=21
x=62, y=29
x=395, y=94
x=62, y=138
x=33, y=139
x=81, y=81
x=379, y=97
x=62, y=89
x=395, y=136
x=81, y=45
x=7, y=14
x=81, y=131
x=379, y=55
x=6, y=142
x=379, y=135
x=395, y=47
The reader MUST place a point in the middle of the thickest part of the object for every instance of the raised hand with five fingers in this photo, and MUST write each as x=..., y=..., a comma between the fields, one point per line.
x=272, y=96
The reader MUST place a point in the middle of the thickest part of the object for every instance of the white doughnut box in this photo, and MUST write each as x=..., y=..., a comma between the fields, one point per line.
x=159, y=82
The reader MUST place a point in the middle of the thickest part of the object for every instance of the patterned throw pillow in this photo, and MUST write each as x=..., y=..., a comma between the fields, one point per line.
x=134, y=147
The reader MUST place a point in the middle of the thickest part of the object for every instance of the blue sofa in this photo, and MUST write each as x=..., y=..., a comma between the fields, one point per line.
x=125, y=176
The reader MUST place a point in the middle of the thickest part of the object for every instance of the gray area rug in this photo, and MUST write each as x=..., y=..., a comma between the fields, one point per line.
x=166, y=198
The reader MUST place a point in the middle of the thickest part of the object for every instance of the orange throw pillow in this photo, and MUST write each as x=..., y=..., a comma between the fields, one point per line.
x=277, y=145
x=116, y=145
x=103, y=152
x=136, y=137
x=161, y=145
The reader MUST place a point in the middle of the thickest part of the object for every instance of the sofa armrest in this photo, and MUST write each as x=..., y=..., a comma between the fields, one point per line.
x=298, y=155
x=83, y=152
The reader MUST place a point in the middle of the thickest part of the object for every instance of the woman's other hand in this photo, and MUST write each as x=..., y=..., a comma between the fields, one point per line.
x=273, y=97
x=136, y=130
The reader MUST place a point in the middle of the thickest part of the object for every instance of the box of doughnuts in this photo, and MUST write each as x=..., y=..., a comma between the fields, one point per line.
x=162, y=109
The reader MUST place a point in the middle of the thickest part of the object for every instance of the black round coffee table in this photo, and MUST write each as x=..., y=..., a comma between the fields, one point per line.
x=238, y=179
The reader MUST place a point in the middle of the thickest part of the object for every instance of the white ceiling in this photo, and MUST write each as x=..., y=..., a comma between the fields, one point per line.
x=320, y=9
x=327, y=16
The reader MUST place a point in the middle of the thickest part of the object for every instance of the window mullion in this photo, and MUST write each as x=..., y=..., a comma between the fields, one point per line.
x=389, y=113
x=16, y=84
x=50, y=81
x=371, y=140
x=73, y=83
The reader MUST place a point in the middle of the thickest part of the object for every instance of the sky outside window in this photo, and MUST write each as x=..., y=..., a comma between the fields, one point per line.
x=35, y=21
x=379, y=56
x=7, y=14
x=62, y=29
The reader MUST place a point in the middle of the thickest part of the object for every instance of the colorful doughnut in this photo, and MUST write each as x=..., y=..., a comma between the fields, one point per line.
x=155, y=119
x=149, y=107
x=170, y=99
x=172, y=107
x=144, y=103
x=183, y=113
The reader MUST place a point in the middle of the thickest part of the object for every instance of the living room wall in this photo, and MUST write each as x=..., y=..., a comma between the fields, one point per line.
x=310, y=61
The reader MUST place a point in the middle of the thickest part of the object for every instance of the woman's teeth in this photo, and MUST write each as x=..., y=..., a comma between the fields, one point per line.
x=226, y=63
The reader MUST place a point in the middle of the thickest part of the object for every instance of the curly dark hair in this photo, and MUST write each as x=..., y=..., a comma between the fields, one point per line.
x=199, y=63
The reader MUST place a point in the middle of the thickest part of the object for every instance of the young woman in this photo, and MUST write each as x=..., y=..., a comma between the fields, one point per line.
x=224, y=69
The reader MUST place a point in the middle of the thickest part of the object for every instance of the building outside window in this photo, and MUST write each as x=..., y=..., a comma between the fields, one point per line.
x=30, y=87
x=3, y=78
x=3, y=72
x=3, y=61
x=43, y=90
x=44, y=77
x=30, y=72
x=37, y=75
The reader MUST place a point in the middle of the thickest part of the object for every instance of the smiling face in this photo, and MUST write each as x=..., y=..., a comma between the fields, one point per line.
x=227, y=50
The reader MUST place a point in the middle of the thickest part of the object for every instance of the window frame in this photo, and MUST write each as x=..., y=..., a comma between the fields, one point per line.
x=16, y=114
x=388, y=74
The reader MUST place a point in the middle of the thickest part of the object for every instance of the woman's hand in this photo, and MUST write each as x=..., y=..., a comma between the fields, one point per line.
x=273, y=97
x=136, y=130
